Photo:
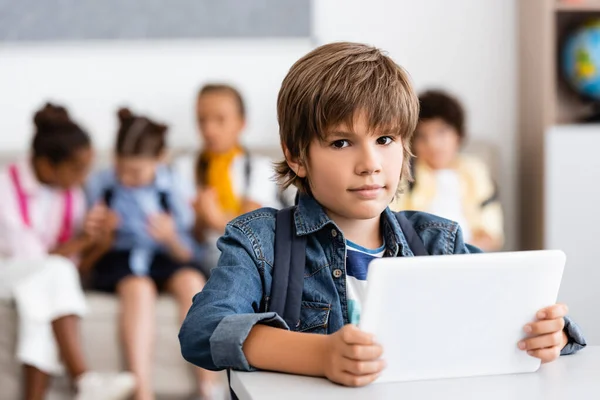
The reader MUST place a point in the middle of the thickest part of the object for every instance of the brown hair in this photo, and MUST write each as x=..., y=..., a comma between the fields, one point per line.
x=223, y=88
x=57, y=137
x=328, y=86
x=139, y=136
x=439, y=104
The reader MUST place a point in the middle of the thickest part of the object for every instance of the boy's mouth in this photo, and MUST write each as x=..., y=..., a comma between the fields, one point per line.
x=367, y=191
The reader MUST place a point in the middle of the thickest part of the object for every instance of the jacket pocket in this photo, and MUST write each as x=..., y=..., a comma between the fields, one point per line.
x=314, y=317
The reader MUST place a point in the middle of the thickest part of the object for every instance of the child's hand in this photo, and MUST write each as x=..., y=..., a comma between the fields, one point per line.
x=94, y=221
x=161, y=228
x=352, y=358
x=208, y=210
x=546, y=337
x=112, y=222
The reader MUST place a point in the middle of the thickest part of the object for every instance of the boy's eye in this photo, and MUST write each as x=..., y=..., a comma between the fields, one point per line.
x=385, y=140
x=340, y=144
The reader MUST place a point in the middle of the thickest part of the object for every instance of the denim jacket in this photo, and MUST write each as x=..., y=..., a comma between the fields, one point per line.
x=236, y=296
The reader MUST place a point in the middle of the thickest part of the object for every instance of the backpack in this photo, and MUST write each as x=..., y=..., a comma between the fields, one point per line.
x=290, y=259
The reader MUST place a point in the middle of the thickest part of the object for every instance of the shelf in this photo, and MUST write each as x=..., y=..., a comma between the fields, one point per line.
x=578, y=7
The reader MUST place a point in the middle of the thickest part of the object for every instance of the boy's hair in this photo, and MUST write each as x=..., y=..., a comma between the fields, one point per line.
x=439, y=104
x=328, y=86
x=223, y=88
x=139, y=136
x=57, y=138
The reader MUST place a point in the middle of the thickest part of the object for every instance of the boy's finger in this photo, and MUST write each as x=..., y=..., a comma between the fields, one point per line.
x=353, y=335
x=544, y=326
x=362, y=353
x=546, y=355
x=541, y=342
x=553, y=312
x=363, y=367
x=348, y=379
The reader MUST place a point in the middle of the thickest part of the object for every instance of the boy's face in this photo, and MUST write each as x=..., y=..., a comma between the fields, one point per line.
x=436, y=143
x=133, y=171
x=355, y=171
x=219, y=120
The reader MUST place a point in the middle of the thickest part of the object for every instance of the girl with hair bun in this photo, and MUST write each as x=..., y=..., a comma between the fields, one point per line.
x=44, y=228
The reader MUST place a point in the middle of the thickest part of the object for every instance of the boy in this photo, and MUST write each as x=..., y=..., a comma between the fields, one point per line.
x=346, y=114
x=447, y=183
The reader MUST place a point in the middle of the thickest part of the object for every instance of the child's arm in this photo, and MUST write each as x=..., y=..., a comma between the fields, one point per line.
x=163, y=229
x=74, y=247
x=349, y=356
x=226, y=328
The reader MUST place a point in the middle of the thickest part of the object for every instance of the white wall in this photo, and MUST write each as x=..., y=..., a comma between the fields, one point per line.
x=158, y=78
x=467, y=46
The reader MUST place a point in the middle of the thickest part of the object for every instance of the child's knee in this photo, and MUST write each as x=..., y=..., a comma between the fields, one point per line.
x=133, y=284
x=61, y=267
x=189, y=277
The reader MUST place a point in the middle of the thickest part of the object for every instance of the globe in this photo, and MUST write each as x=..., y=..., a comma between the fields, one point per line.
x=581, y=60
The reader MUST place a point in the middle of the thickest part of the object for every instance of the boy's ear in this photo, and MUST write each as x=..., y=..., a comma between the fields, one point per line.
x=296, y=165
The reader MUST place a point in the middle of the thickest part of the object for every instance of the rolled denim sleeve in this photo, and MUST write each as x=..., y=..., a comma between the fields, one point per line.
x=227, y=340
x=223, y=314
x=576, y=341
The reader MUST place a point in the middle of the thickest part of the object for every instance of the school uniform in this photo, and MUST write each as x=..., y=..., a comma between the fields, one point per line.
x=134, y=251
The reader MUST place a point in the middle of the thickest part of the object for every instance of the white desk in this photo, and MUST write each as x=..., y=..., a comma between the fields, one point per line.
x=570, y=377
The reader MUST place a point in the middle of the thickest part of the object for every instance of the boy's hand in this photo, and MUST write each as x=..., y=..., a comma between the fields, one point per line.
x=546, y=336
x=352, y=357
x=161, y=228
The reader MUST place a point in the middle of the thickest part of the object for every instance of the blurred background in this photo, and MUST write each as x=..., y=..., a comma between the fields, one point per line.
x=524, y=71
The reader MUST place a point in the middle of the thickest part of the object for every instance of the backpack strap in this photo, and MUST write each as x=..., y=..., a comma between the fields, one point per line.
x=107, y=196
x=66, y=228
x=414, y=241
x=288, y=269
x=21, y=196
x=247, y=172
x=163, y=199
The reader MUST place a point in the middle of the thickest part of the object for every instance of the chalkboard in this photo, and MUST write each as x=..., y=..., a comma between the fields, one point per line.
x=74, y=20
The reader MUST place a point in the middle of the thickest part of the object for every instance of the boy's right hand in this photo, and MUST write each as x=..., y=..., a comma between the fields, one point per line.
x=352, y=357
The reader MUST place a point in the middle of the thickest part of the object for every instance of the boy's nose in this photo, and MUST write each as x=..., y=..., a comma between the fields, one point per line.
x=368, y=162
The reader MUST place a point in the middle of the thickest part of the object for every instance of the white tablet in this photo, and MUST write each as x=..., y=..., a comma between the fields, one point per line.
x=459, y=315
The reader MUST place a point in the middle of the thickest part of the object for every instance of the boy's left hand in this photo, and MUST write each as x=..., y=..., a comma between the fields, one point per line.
x=546, y=337
x=161, y=228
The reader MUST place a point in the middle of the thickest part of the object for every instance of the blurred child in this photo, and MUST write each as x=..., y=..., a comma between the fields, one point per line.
x=43, y=230
x=147, y=243
x=230, y=181
x=450, y=184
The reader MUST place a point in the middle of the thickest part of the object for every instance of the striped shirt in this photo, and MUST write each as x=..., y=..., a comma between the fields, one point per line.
x=357, y=265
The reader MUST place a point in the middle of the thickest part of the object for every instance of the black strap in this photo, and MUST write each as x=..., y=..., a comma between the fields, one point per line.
x=107, y=196
x=288, y=269
x=412, y=238
x=247, y=172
